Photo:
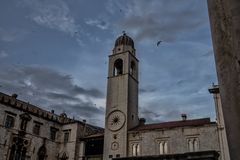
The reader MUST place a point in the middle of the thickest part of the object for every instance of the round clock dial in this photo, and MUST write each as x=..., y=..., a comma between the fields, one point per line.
x=116, y=120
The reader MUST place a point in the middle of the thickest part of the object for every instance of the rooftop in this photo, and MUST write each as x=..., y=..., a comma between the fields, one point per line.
x=173, y=124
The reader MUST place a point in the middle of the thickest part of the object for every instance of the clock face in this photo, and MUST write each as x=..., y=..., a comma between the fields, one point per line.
x=116, y=120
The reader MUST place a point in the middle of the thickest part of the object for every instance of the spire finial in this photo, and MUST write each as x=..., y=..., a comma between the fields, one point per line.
x=124, y=33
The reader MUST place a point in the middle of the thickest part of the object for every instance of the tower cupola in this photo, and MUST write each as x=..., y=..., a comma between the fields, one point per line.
x=124, y=43
x=124, y=40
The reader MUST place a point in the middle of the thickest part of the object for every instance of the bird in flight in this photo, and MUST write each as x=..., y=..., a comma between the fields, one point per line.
x=158, y=43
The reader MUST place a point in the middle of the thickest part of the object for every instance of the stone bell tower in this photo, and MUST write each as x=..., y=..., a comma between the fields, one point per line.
x=122, y=97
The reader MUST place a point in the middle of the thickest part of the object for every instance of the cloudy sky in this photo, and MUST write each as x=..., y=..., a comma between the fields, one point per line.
x=54, y=54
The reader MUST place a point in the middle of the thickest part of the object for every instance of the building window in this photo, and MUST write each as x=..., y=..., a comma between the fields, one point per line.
x=64, y=156
x=132, y=68
x=163, y=147
x=9, y=122
x=18, y=150
x=66, y=136
x=25, y=118
x=42, y=153
x=118, y=67
x=36, y=129
x=193, y=144
x=136, y=149
x=53, y=132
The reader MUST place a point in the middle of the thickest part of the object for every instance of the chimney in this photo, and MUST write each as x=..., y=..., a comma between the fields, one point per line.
x=52, y=111
x=84, y=121
x=184, y=117
x=142, y=121
x=14, y=95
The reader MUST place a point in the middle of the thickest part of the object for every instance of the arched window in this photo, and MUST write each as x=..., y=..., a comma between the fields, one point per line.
x=42, y=153
x=12, y=153
x=64, y=156
x=24, y=151
x=193, y=144
x=118, y=67
x=161, y=150
x=190, y=145
x=163, y=147
x=132, y=68
x=18, y=151
x=136, y=149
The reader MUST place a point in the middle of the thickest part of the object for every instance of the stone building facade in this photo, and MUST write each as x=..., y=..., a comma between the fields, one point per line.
x=224, y=18
x=222, y=135
x=29, y=132
x=173, y=137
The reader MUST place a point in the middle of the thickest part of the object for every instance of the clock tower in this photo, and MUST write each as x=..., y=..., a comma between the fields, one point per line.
x=122, y=98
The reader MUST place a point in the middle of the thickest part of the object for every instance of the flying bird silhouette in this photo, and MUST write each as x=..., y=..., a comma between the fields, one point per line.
x=158, y=43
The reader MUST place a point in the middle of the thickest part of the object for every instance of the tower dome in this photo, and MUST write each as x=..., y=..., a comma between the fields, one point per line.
x=124, y=40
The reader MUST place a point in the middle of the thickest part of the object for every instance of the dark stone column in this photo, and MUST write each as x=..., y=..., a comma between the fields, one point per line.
x=225, y=25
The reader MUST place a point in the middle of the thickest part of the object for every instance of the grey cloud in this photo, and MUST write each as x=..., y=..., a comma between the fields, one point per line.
x=53, y=14
x=45, y=79
x=147, y=89
x=49, y=89
x=87, y=111
x=154, y=19
x=56, y=96
x=98, y=23
x=156, y=116
x=92, y=92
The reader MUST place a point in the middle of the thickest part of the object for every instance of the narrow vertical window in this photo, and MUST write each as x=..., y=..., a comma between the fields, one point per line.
x=23, y=125
x=134, y=153
x=66, y=136
x=53, y=132
x=9, y=122
x=42, y=153
x=132, y=68
x=36, y=129
x=190, y=145
x=138, y=149
x=161, y=145
x=195, y=145
x=25, y=117
x=118, y=67
x=165, y=147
